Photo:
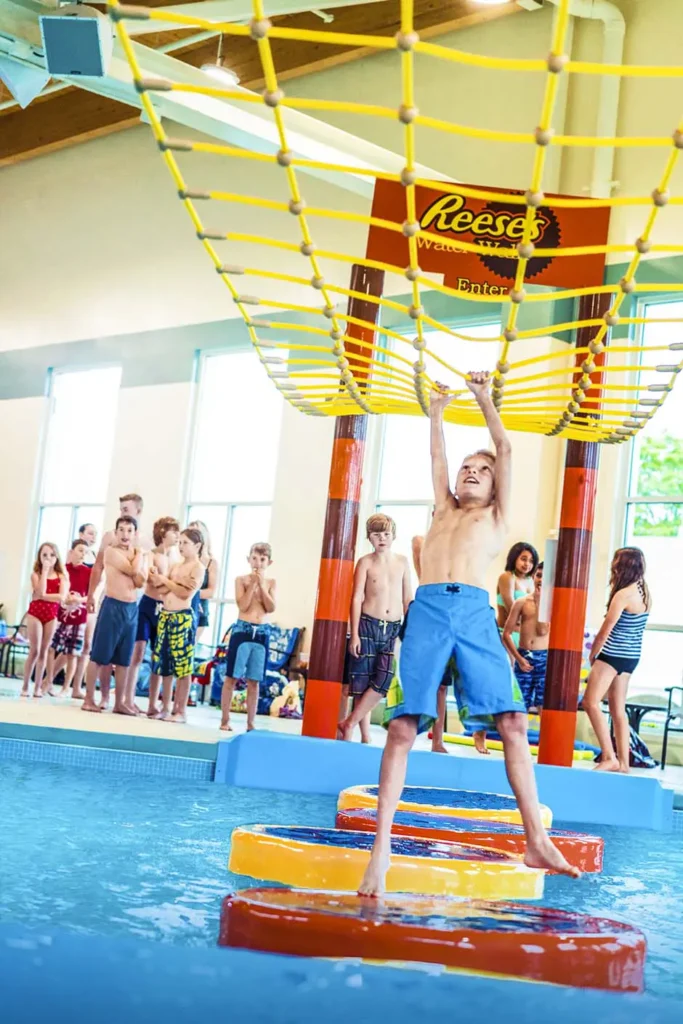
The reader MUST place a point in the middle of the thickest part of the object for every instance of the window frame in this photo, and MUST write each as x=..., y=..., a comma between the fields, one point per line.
x=635, y=499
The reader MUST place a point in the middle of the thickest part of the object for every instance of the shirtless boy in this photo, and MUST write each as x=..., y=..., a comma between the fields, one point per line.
x=165, y=532
x=175, y=635
x=531, y=657
x=114, y=636
x=381, y=595
x=129, y=505
x=451, y=614
x=248, y=647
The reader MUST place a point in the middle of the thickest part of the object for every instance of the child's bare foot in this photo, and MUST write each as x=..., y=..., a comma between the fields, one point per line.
x=374, y=879
x=37, y=695
x=250, y=726
x=611, y=765
x=163, y=716
x=49, y=693
x=226, y=727
x=123, y=710
x=624, y=769
x=545, y=855
x=365, y=739
x=439, y=748
x=343, y=730
x=88, y=705
x=24, y=693
x=176, y=717
x=480, y=743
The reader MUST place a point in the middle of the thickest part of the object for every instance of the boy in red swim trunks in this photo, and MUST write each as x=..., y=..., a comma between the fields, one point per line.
x=381, y=594
x=451, y=615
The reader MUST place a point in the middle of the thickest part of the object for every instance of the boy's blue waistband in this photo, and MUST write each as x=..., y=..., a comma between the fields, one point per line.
x=459, y=591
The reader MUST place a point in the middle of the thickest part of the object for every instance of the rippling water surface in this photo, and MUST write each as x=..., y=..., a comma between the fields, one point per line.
x=125, y=855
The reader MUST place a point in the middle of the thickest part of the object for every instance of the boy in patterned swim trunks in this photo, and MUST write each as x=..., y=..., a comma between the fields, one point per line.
x=381, y=594
x=531, y=657
x=174, y=644
x=452, y=615
x=248, y=647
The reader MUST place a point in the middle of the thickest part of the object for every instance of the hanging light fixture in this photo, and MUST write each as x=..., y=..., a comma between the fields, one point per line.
x=225, y=76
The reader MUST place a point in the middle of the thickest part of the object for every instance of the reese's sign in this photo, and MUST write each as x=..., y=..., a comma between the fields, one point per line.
x=451, y=217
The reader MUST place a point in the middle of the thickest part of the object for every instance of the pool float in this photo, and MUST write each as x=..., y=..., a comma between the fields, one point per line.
x=458, y=803
x=535, y=943
x=330, y=858
x=583, y=851
x=467, y=740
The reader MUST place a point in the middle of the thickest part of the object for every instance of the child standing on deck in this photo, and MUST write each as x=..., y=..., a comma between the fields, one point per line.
x=67, y=643
x=248, y=647
x=527, y=641
x=381, y=594
x=49, y=585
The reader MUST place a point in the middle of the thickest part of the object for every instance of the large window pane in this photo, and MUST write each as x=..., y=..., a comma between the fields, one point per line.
x=56, y=526
x=660, y=663
x=237, y=431
x=215, y=518
x=405, y=472
x=81, y=399
x=411, y=521
x=250, y=524
x=657, y=468
x=656, y=528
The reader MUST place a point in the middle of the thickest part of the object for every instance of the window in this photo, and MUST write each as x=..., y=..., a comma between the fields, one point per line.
x=232, y=474
x=654, y=509
x=75, y=477
x=405, y=482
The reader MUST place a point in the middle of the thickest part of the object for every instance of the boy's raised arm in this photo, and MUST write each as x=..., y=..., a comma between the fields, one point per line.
x=478, y=383
x=438, y=400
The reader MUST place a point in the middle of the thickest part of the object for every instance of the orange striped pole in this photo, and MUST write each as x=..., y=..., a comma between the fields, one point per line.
x=335, y=581
x=570, y=594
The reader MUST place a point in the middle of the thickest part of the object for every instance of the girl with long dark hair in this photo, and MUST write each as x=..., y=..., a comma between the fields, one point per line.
x=615, y=655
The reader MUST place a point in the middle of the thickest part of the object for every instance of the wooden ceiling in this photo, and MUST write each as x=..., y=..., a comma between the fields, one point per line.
x=71, y=115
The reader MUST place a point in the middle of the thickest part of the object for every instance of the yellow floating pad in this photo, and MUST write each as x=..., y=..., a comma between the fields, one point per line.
x=468, y=741
x=335, y=859
x=459, y=803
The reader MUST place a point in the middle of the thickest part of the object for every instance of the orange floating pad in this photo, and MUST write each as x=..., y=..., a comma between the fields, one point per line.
x=582, y=851
x=534, y=943
x=458, y=803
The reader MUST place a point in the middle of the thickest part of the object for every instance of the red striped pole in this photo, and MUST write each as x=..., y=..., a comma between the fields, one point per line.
x=335, y=581
x=570, y=593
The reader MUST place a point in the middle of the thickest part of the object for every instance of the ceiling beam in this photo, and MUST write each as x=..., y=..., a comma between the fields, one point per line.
x=237, y=11
x=74, y=115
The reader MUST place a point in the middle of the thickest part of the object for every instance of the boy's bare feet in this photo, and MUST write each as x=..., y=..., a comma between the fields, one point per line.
x=123, y=710
x=250, y=726
x=226, y=727
x=612, y=765
x=545, y=855
x=37, y=696
x=181, y=718
x=89, y=706
x=480, y=743
x=374, y=879
x=24, y=693
x=440, y=749
x=344, y=730
x=78, y=696
x=624, y=769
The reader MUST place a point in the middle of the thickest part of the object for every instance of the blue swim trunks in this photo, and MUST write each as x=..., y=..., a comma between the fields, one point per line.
x=532, y=684
x=114, y=636
x=247, y=651
x=148, y=619
x=455, y=620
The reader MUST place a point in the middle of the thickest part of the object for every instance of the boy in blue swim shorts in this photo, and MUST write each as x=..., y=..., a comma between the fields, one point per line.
x=248, y=645
x=452, y=617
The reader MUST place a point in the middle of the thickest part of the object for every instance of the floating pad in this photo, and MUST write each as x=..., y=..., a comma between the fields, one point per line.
x=467, y=740
x=458, y=803
x=523, y=942
x=583, y=851
x=329, y=858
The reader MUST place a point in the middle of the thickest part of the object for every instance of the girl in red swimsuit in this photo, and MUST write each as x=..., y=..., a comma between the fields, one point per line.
x=49, y=587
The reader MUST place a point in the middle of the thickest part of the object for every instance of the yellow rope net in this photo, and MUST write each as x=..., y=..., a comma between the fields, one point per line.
x=334, y=372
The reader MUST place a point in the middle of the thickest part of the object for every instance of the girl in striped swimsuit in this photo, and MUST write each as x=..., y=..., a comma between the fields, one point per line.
x=615, y=655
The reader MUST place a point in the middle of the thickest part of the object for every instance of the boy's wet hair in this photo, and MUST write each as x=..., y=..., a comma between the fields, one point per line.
x=483, y=452
x=262, y=549
x=126, y=519
x=539, y=567
x=380, y=523
x=79, y=542
x=162, y=526
x=132, y=497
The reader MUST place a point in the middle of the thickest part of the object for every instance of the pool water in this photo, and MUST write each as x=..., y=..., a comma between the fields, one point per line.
x=129, y=855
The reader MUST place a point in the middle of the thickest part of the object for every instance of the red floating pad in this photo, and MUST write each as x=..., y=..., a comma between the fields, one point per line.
x=582, y=851
x=509, y=939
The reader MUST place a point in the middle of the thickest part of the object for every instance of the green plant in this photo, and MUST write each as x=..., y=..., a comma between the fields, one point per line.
x=660, y=473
